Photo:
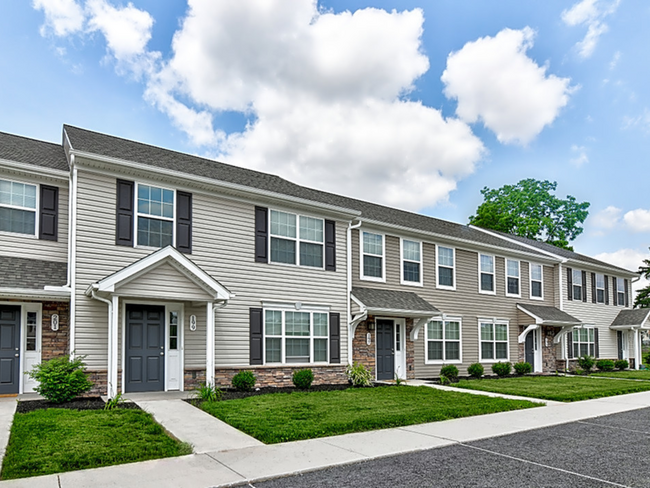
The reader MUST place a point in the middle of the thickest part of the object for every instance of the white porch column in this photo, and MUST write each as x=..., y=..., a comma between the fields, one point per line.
x=113, y=349
x=209, y=346
x=637, y=350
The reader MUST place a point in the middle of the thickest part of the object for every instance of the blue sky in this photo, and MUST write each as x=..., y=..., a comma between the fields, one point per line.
x=416, y=104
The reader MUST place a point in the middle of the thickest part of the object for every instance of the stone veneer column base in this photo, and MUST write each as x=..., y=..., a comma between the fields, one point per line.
x=362, y=352
x=549, y=349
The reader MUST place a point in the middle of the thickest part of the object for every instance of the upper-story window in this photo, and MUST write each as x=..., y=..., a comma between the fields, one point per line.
x=296, y=239
x=296, y=337
x=446, y=261
x=486, y=274
x=600, y=288
x=578, y=285
x=443, y=340
x=17, y=207
x=155, y=216
x=411, y=262
x=536, y=281
x=494, y=339
x=620, y=291
x=372, y=251
x=512, y=278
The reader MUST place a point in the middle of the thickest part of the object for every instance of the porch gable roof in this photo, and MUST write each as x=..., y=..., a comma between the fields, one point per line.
x=628, y=319
x=378, y=301
x=545, y=315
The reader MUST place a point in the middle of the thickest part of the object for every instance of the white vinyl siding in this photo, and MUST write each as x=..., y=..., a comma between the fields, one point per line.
x=486, y=281
x=443, y=341
x=536, y=281
x=494, y=340
x=411, y=262
x=373, y=263
x=513, y=281
x=446, y=267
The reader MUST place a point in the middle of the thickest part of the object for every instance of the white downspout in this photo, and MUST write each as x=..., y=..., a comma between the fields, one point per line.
x=637, y=354
x=349, y=272
x=72, y=263
x=111, y=388
x=210, y=339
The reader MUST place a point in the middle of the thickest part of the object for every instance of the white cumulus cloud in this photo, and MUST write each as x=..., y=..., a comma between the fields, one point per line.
x=494, y=81
x=638, y=220
x=590, y=13
x=581, y=155
x=607, y=218
x=628, y=259
x=63, y=17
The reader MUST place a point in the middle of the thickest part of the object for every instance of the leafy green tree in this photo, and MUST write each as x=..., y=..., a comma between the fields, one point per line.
x=642, y=299
x=529, y=209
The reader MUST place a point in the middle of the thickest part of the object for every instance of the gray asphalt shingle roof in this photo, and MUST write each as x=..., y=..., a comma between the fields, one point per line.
x=549, y=314
x=101, y=144
x=31, y=151
x=374, y=298
x=631, y=317
x=33, y=274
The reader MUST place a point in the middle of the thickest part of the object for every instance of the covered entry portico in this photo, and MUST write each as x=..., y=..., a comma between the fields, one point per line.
x=152, y=304
x=631, y=322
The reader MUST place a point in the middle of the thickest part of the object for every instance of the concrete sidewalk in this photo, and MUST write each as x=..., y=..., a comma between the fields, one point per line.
x=259, y=462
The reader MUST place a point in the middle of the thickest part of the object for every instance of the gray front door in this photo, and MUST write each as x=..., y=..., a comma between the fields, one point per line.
x=530, y=348
x=145, y=348
x=385, y=349
x=9, y=349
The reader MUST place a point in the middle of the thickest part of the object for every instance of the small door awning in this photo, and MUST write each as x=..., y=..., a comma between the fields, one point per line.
x=545, y=315
x=632, y=319
x=393, y=303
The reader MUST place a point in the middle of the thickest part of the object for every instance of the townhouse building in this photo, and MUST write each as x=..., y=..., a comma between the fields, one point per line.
x=166, y=270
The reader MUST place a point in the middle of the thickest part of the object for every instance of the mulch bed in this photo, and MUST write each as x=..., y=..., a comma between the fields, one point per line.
x=86, y=403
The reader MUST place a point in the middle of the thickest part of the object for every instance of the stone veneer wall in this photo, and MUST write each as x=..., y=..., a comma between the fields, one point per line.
x=55, y=344
x=549, y=353
x=362, y=352
x=280, y=376
x=410, y=350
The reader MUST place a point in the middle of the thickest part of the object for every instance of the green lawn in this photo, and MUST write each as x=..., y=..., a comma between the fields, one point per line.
x=560, y=388
x=282, y=417
x=57, y=440
x=642, y=374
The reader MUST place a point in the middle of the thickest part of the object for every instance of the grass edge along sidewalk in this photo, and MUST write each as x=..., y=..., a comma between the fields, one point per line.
x=629, y=374
x=558, y=388
x=282, y=417
x=57, y=440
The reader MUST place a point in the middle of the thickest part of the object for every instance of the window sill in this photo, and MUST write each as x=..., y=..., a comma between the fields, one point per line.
x=483, y=292
x=509, y=295
x=370, y=278
x=411, y=283
x=18, y=234
x=443, y=287
x=493, y=361
x=297, y=266
x=541, y=299
x=438, y=362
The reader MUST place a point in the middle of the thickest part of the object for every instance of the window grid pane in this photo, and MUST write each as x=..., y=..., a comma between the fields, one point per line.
x=435, y=329
x=513, y=268
x=283, y=251
x=297, y=323
x=513, y=286
x=536, y=272
x=452, y=331
x=536, y=289
x=17, y=221
x=446, y=257
x=487, y=264
x=155, y=233
x=373, y=244
x=30, y=339
x=487, y=282
x=311, y=255
x=411, y=272
x=273, y=350
x=439, y=349
x=297, y=350
x=320, y=325
x=487, y=332
x=411, y=250
x=320, y=350
x=500, y=332
x=311, y=229
x=17, y=194
x=283, y=224
x=273, y=323
x=372, y=266
x=445, y=276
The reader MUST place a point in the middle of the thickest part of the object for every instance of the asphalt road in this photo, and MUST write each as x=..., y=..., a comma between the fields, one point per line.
x=607, y=451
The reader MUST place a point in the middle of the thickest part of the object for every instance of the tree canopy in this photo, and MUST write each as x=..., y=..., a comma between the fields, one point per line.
x=529, y=209
x=642, y=299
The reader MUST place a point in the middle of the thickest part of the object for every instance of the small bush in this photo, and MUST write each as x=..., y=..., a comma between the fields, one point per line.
x=605, y=365
x=646, y=358
x=303, y=378
x=244, y=381
x=61, y=379
x=114, y=402
x=444, y=380
x=523, y=368
x=450, y=371
x=359, y=375
x=475, y=370
x=208, y=393
x=586, y=363
x=578, y=371
x=621, y=364
x=501, y=369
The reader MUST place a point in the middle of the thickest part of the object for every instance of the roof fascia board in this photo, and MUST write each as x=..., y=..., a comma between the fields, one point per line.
x=603, y=268
x=523, y=244
x=31, y=293
x=246, y=190
x=538, y=320
x=406, y=313
x=33, y=169
x=473, y=245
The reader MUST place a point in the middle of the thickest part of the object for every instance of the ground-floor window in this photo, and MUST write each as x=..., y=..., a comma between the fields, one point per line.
x=494, y=339
x=584, y=342
x=296, y=337
x=443, y=340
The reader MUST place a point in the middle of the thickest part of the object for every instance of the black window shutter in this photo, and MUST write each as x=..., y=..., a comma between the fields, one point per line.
x=124, y=218
x=606, y=290
x=569, y=282
x=593, y=287
x=184, y=222
x=330, y=245
x=569, y=345
x=256, y=339
x=619, y=342
x=49, y=213
x=627, y=296
x=335, y=337
x=614, y=291
x=261, y=234
x=596, y=342
x=584, y=286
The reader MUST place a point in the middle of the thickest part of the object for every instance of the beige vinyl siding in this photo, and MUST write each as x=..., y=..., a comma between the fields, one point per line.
x=464, y=302
x=32, y=247
x=194, y=341
x=156, y=284
x=223, y=246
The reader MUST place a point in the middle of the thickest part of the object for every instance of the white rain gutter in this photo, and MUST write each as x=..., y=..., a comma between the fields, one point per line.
x=111, y=388
x=349, y=286
x=72, y=246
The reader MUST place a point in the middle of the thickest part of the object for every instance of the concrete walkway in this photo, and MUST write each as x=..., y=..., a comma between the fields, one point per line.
x=258, y=462
x=7, y=411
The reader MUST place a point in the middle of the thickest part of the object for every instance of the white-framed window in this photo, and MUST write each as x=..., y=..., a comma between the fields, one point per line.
x=620, y=291
x=578, y=285
x=446, y=266
x=600, y=288
x=373, y=263
x=411, y=262
x=295, y=337
x=494, y=340
x=297, y=239
x=513, y=283
x=486, y=282
x=536, y=281
x=584, y=342
x=155, y=216
x=173, y=331
x=18, y=207
x=443, y=343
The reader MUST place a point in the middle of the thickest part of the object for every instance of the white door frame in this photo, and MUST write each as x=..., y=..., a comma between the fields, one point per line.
x=537, y=345
x=399, y=369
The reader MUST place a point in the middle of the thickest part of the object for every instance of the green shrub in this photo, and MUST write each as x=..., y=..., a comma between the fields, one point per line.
x=244, y=381
x=621, y=364
x=359, y=375
x=646, y=358
x=605, y=365
x=586, y=363
x=61, y=379
x=114, y=402
x=578, y=371
x=208, y=393
x=523, y=368
x=475, y=370
x=303, y=378
x=501, y=369
x=450, y=371
x=444, y=380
